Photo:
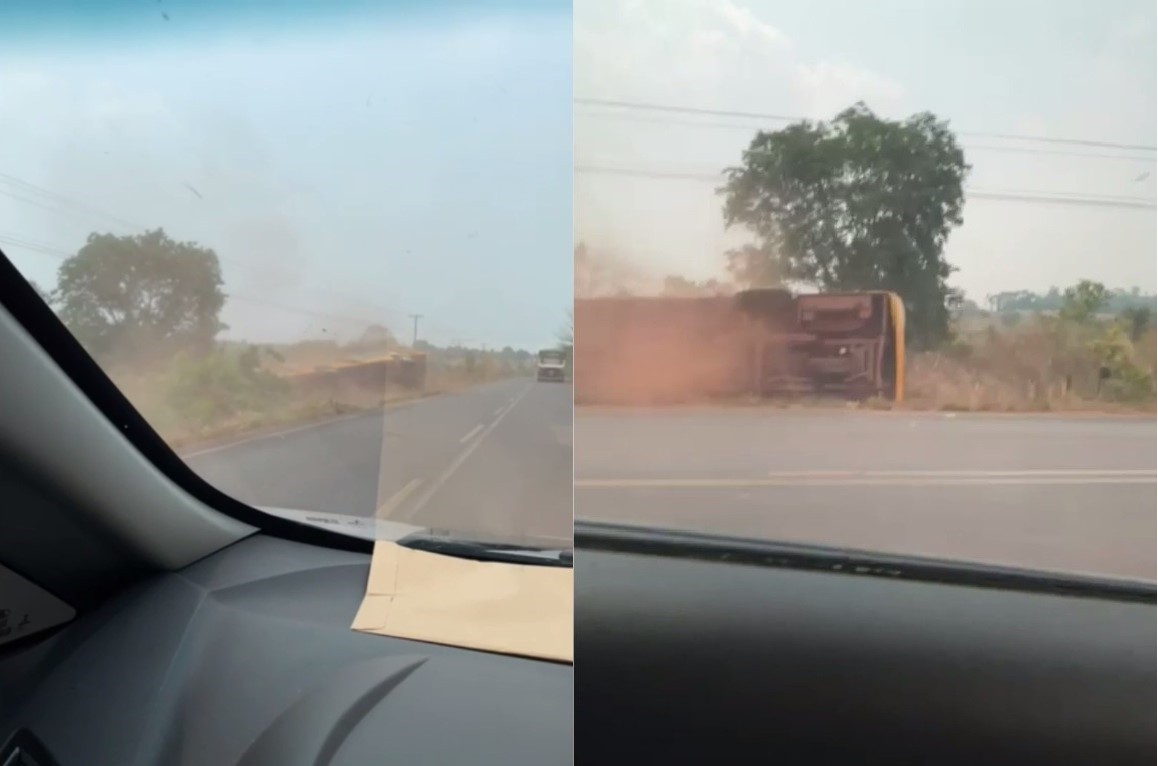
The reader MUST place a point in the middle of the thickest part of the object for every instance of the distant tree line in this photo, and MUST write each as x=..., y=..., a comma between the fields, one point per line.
x=461, y=351
x=1116, y=300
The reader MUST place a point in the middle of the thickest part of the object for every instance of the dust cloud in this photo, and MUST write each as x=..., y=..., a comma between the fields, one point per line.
x=645, y=339
x=601, y=272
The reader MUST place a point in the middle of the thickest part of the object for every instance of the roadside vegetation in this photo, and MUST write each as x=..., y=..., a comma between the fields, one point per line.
x=865, y=203
x=1078, y=358
x=147, y=308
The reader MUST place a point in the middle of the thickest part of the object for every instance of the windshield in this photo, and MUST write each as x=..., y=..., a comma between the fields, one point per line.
x=877, y=275
x=551, y=357
x=298, y=236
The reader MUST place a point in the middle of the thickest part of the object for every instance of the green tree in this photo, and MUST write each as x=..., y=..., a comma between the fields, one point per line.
x=1084, y=300
x=1127, y=379
x=858, y=203
x=1139, y=319
x=141, y=295
x=205, y=389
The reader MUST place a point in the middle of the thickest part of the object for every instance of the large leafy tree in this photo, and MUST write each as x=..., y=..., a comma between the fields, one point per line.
x=141, y=295
x=1083, y=301
x=858, y=203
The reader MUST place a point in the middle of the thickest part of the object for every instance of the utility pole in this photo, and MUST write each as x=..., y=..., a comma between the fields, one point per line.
x=415, y=317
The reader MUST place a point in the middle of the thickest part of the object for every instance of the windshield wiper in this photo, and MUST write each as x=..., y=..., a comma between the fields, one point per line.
x=482, y=551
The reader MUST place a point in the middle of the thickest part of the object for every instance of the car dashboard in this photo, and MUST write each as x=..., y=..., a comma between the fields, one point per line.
x=247, y=657
x=707, y=648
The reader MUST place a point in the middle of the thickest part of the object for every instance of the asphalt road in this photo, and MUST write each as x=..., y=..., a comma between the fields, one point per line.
x=493, y=462
x=1074, y=494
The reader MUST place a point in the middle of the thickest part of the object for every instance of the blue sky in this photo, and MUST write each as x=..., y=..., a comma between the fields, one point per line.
x=1058, y=68
x=350, y=165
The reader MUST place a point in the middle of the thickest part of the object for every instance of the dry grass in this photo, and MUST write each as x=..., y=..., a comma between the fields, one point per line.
x=1041, y=365
x=148, y=393
x=151, y=391
x=939, y=382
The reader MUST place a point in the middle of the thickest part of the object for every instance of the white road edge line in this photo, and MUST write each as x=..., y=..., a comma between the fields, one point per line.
x=470, y=433
x=458, y=461
x=983, y=474
x=862, y=482
x=397, y=499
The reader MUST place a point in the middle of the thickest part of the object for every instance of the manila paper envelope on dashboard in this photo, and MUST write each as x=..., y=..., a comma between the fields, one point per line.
x=517, y=609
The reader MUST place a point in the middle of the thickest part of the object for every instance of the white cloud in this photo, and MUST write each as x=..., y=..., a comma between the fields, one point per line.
x=713, y=54
x=744, y=21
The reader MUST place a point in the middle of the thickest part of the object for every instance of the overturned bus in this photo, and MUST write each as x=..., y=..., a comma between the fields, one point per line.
x=758, y=342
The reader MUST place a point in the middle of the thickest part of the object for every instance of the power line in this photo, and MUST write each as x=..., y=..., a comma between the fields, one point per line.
x=33, y=246
x=296, y=309
x=1051, y=193
x=60, y=204
x=36, y=203
x=45, y=249
x=1056, y=153
x=668, y=108
x=63, y=203
x=61, y=200
x=1007, y=196
x=737, y=126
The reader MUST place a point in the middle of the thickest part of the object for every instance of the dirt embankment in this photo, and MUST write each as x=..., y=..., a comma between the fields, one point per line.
x=241, y=391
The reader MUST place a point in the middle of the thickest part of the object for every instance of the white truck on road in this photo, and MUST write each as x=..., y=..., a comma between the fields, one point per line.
x=552, y=365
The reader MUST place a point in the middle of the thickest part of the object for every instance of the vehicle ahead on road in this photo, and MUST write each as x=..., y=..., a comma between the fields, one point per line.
x=552, y=365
